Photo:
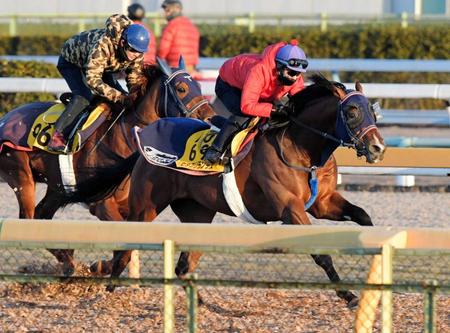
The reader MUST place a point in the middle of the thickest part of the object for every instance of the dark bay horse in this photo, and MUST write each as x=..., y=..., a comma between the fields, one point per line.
x=109, y=146
x=273, y=178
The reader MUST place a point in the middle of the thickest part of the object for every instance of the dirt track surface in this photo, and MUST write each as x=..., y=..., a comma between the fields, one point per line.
x=88, y=308
x=80, y=308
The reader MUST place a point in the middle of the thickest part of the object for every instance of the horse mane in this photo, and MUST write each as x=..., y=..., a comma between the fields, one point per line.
x=150, y=74
x=319, y=88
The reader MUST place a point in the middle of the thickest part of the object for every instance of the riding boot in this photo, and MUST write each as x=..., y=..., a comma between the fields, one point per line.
x=215, y=152
x=64, y=124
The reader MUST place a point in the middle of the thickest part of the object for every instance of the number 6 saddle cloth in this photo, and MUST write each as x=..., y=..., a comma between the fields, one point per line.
x=31, y=126
x=180, y=144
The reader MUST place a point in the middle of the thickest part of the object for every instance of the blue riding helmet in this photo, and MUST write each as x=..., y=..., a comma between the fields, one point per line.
x=136, y=37
x=292, y=57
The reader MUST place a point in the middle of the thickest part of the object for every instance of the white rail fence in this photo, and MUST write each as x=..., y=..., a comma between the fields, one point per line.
x=371, y=90
x=405, y=175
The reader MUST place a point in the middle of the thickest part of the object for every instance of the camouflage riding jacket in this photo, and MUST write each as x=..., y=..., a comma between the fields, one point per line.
x=96, y=52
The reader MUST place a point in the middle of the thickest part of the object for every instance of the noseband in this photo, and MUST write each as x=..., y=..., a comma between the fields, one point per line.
x=170, y=92
x=349, y=135
x=347, y=138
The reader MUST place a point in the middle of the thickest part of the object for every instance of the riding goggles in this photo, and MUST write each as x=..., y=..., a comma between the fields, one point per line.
x=296, y=63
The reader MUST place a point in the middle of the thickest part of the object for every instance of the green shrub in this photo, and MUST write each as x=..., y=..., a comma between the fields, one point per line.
x=8, y=101
x=361, y=41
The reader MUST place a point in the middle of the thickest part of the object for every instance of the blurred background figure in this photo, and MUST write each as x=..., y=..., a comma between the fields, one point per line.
x=136, y=13
x=179, y=37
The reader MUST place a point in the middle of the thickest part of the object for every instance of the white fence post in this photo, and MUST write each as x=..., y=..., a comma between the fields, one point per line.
x=405, y=180
x=169, y=274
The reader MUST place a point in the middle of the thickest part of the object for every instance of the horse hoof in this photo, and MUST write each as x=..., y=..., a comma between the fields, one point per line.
x=68, y=269
x=94, y=268
x=353, y=303
x=110, y=288
x=200, y=300
x=99, y=268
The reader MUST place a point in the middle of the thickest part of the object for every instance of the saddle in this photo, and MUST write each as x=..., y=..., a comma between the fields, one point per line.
x=180, y=143
x=44, y=125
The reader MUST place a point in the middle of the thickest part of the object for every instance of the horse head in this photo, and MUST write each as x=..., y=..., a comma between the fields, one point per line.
x=348, y=121
x=356, y=123
x=181, y=94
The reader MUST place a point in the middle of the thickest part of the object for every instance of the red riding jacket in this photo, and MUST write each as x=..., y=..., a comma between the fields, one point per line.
x=255, y=75
x=179, y=37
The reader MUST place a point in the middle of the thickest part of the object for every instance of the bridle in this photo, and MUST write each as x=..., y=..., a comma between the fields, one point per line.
x=169, y=91
x=347, y=137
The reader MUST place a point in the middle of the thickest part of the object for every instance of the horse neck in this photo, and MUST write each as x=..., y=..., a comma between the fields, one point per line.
x=118, y=138
x=147, y=110
x=321, y=116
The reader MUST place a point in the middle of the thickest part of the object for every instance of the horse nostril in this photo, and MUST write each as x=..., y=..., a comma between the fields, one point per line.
x=377, y=148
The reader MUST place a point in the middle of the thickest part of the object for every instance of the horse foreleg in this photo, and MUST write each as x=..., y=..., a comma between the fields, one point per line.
x=336, y=207
x=15, y=169
x=190, y=211
x=299, y=216
x=187, y=263
x=326, y=263
x=46, y=209
x=117, y=265
x=25, y=195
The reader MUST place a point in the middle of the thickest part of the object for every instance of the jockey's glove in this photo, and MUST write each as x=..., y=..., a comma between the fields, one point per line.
x=127, y=101
x=279, y=110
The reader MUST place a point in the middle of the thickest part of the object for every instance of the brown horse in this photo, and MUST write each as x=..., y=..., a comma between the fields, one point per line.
x=161, y=92
x=273, y=179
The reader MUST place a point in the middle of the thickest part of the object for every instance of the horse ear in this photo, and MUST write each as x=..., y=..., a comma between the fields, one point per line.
x=181, y=64
x=358, y=86
x=165, y=68
x=338, y=92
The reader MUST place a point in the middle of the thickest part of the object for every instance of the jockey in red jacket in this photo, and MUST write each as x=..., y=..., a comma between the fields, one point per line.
x=254, y=85
x=179, y=37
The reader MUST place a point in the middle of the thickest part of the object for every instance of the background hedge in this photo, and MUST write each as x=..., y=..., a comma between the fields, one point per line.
x=25, y=69
x=361, y=41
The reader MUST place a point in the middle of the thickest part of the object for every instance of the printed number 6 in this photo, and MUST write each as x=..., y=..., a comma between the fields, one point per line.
x=44, y=137
x=193, y=153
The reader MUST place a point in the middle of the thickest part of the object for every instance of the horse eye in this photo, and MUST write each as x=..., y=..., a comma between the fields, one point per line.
x=352, y=112
x=181, y=90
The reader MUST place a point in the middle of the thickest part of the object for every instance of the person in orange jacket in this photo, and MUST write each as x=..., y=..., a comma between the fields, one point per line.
x=136, y=13
x=252, y=85
x=179, y=37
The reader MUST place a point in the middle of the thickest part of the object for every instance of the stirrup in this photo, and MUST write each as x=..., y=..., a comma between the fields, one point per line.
x=58, y=149
x=213, y=159
x=58, y=143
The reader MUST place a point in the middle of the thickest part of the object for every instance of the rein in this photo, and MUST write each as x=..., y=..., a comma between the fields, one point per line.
x=107, y=131
x=313, y=181
x=324, y=134
x=354, y=138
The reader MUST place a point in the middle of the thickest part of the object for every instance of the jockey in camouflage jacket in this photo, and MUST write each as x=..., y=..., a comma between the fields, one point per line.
x=88, y=62
x=96, y=52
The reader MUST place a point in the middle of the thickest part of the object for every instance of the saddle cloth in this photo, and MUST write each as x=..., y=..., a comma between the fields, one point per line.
x=31, y=128
x=180, y=143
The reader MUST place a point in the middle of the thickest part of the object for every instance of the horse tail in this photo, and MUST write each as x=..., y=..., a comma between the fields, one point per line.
x=102, y=183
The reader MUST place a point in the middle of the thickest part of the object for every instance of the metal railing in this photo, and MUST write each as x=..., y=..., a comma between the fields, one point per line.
x=371, y=90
